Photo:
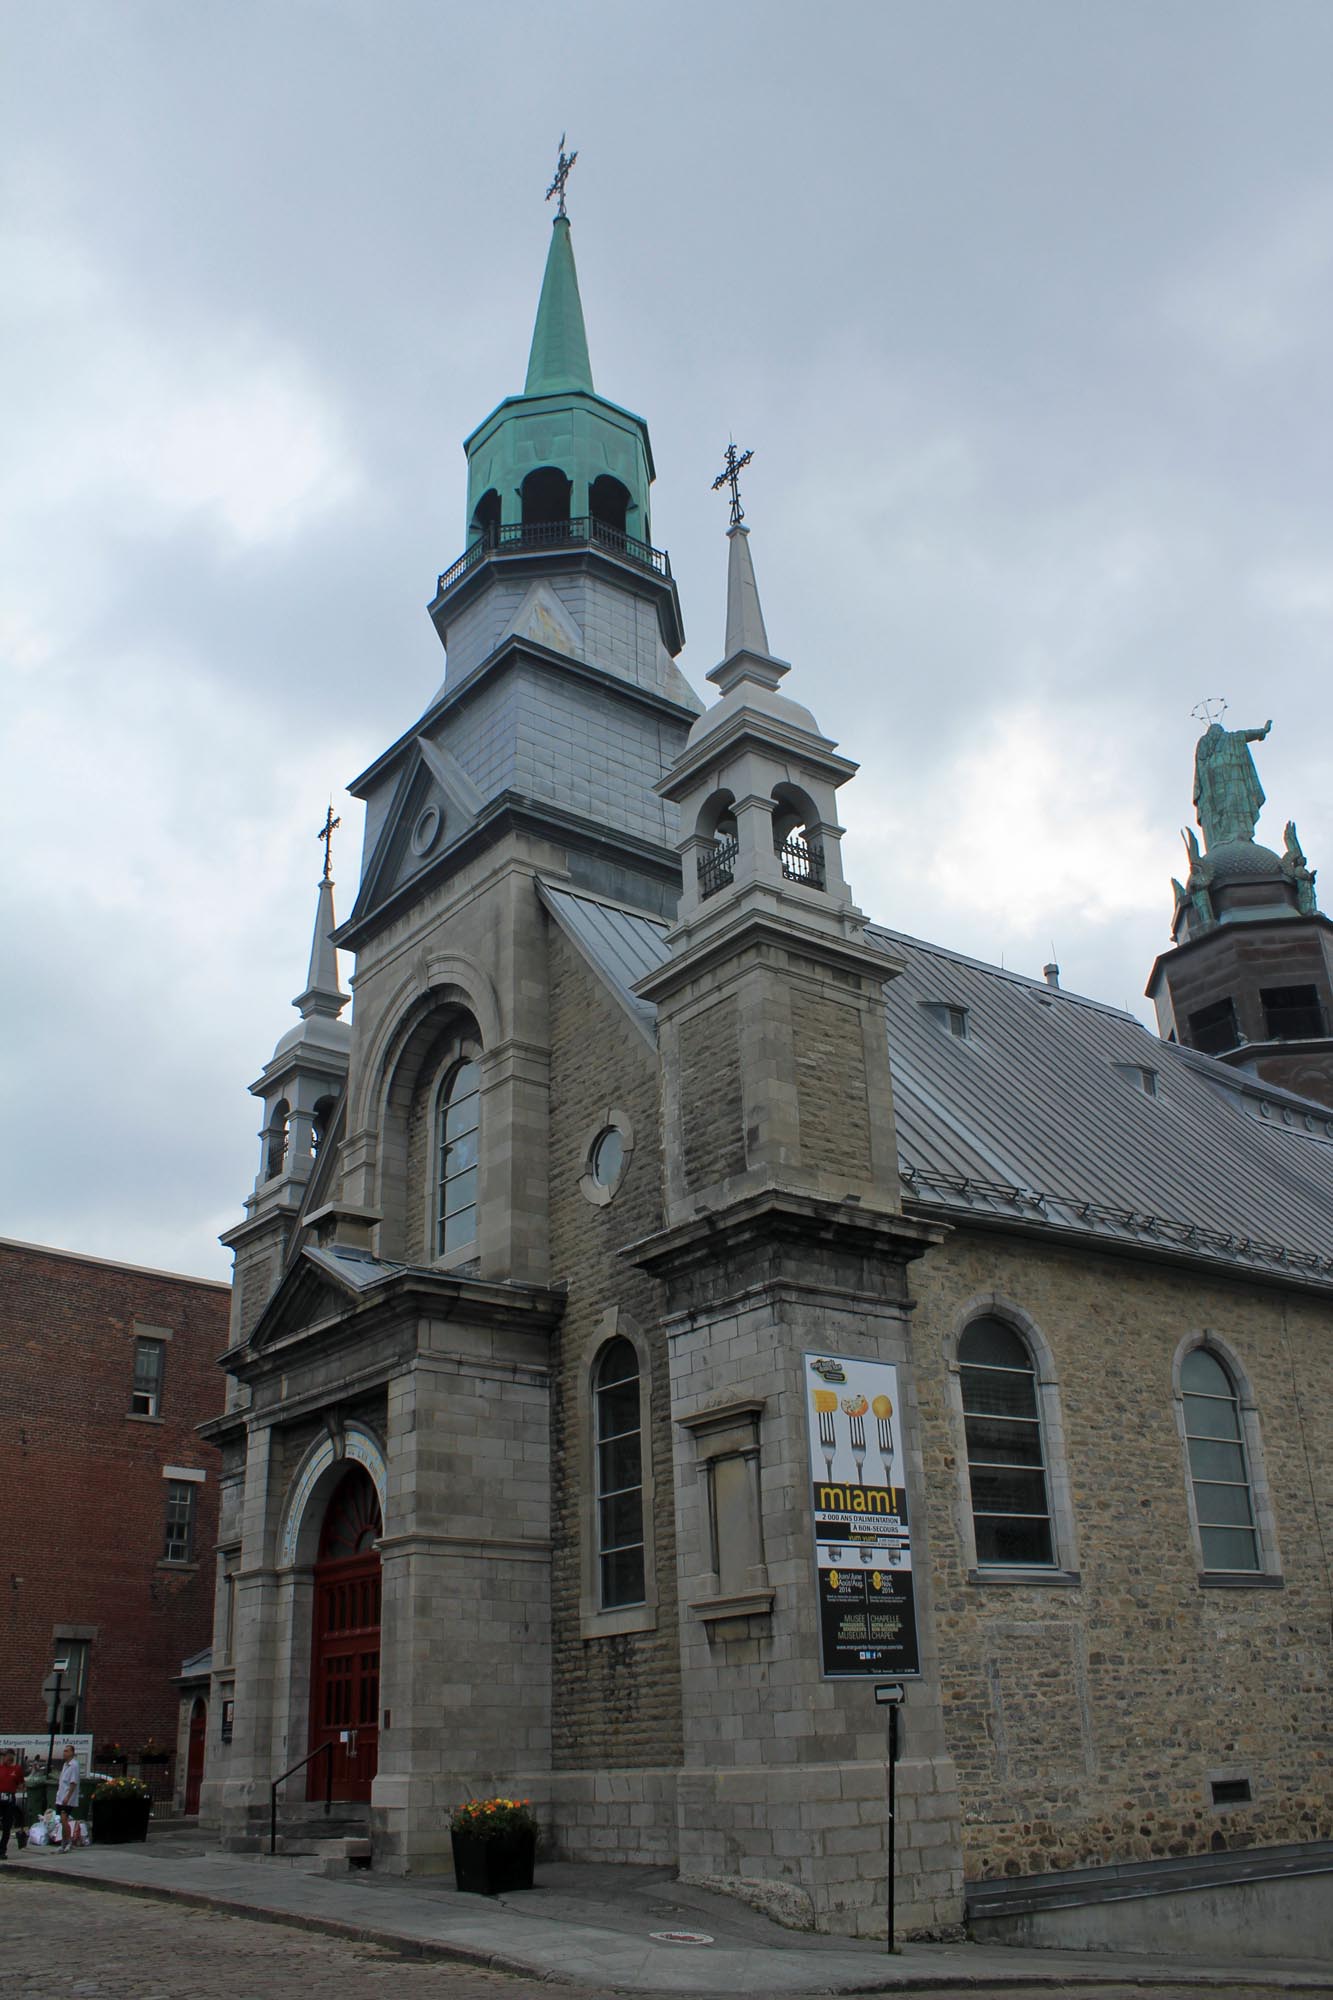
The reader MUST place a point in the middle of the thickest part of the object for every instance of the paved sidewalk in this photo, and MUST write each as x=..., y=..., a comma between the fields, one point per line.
x=595, y=1925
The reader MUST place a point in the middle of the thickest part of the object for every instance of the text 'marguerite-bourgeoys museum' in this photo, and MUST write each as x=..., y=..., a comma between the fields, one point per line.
x=638, y=1353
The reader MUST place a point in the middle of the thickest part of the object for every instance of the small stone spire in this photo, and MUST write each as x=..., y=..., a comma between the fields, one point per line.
x=322, y=995
x=746, y=656
x=558, y=361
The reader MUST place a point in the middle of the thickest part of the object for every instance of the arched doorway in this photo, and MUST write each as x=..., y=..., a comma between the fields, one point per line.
x=345, y=1642
x=194, y=1766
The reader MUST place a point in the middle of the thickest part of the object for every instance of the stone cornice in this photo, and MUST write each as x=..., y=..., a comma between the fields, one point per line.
x=775, y=1215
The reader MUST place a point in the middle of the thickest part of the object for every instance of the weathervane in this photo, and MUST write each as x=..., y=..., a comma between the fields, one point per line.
x=326, y=835
x=730, y=475
x=1204, y=709
x=564, y=167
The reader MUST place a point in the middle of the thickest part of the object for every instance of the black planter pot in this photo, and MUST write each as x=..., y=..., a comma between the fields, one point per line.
x=116, y=1820
x=493, y=1866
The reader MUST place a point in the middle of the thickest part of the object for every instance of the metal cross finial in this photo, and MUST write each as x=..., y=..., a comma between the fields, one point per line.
x=1204, y=709
x=564, y=167
x=326, y=835
x=730, y=475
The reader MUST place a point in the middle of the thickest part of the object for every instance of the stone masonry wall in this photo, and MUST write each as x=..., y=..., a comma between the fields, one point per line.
x=712, y=1112
x=830, y=1084
x=1087, y=1720
x=616, y=1698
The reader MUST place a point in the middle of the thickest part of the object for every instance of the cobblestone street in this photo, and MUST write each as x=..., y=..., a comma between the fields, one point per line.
x=59, y=1941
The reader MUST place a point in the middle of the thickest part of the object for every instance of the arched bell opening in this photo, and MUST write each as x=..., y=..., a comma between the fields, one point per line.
x=796, y=838
x=716, y=825
x=320, y=1121
x=486, y=519
x=275, y=1140
x=345, y=1642
x=608, y=504
x=546, y=494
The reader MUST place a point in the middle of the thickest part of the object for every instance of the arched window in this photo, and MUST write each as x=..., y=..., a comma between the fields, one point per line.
x=798, y=847
x=457, y=1127
x=717, y=823
x=1006, y=1459
x=321, y=1119
x=619, y=1453
x=1218, y=1463
x=276, y=1139
x=486, y=518
x=608, y=503
x=546, y=497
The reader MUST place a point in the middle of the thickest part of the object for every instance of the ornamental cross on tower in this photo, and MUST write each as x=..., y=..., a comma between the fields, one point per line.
x=563, y=168
x=326, y=835
x=730, y=475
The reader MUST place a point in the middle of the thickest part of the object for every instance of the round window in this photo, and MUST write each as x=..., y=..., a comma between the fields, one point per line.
x=607, y=1157
x=425, y=830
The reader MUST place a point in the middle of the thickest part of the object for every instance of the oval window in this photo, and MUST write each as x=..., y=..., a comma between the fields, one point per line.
x=607, y=1160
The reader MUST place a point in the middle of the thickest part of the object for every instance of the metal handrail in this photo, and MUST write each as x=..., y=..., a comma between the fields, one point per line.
x=583, y=530
x=273, y=1790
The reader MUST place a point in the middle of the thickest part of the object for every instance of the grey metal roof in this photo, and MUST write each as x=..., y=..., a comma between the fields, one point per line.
x=619, y=943
x=1038, y=1115
x=1039, y=1111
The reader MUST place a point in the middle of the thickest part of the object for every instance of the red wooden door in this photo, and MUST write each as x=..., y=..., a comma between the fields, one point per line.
x=194, y=1768
x=345, y=1648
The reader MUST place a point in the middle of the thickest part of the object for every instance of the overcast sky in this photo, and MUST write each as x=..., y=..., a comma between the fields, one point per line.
x=1025, y=309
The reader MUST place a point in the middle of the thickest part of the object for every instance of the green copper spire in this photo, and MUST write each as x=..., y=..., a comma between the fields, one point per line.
x=559, y=358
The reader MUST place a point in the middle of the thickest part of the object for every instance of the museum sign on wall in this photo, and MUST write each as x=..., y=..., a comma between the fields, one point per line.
x=863, y=1550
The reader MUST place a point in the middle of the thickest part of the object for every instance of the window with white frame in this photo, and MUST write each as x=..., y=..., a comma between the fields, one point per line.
x=457, y=1136
x=1218, y=1464
x=178, y=1540
x=146, y=1385
x=619, y=1477
x=1006, y=1454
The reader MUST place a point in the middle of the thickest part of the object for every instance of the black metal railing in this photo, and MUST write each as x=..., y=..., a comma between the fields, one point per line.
x=802, y=860
x=325, y=1749
x=715, y=868
x=584, y=531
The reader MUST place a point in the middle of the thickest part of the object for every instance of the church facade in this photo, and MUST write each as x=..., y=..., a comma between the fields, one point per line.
x=674, y=1307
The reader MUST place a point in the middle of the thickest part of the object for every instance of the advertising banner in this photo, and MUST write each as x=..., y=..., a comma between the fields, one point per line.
x=863, y=1547
x=33, y=1748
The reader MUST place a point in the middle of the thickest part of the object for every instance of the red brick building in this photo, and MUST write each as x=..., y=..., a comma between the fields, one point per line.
x=108, y=1498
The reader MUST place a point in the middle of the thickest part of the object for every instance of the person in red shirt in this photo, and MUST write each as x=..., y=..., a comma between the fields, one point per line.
x=12, y=1781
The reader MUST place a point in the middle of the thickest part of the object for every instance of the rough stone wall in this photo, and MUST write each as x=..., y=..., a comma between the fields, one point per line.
x=617, y=1698
x=1087, y=1720
x=830, y=1084
x=712, y=1114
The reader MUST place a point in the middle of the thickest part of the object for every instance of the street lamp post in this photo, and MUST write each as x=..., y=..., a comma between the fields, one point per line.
x=60, y=1668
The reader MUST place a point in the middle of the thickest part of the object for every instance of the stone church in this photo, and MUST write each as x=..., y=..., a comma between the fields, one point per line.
x=673, y=1306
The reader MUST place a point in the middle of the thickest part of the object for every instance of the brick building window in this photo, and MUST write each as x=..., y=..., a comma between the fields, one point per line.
x=619, y=1452
x=146, y=1388
x=1006, y=1458
x=457, y=1134
x=178, y=1541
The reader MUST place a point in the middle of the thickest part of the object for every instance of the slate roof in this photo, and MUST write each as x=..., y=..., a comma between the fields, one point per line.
x=1038, y=1116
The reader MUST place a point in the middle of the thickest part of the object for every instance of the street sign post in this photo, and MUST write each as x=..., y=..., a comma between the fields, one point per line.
x=891, y=1695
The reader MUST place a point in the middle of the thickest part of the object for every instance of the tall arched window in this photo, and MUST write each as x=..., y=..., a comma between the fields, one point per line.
x=1219, y=1466
x=457, y=1127
x=1006, y=1458
x=619, y=1441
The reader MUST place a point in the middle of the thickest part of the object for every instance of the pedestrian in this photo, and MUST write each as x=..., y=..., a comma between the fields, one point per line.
x=13, y=1796
x=67, y=1799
